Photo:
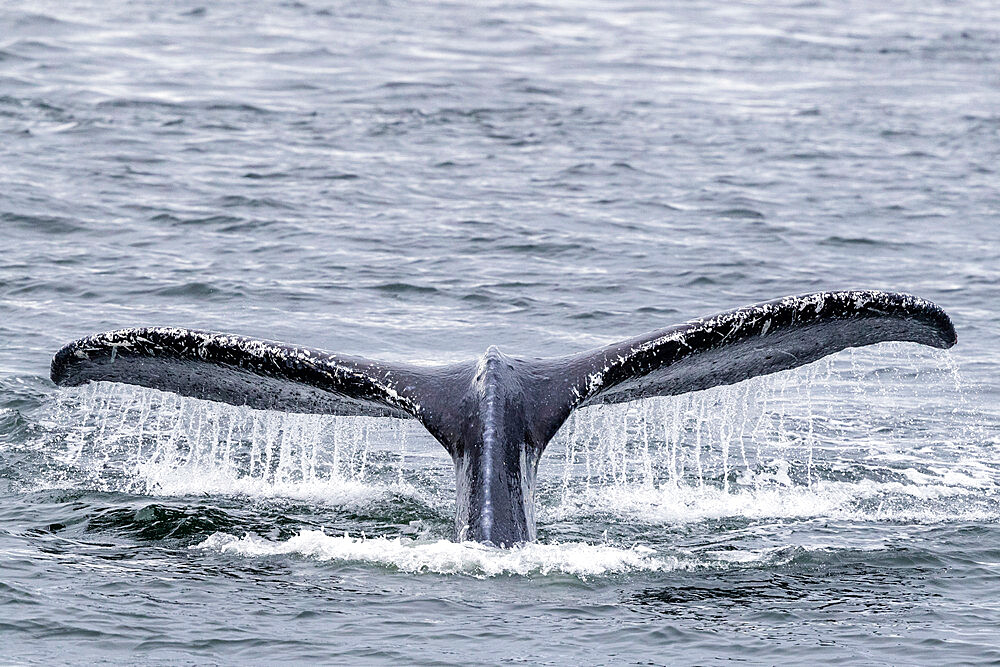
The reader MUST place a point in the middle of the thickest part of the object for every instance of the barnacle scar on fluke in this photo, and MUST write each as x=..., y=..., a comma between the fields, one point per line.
x=496, y=414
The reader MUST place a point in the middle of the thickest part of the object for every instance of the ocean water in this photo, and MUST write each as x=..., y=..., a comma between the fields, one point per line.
x=417, y=181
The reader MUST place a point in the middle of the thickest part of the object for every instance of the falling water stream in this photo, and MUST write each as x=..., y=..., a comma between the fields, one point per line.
x=821, y=439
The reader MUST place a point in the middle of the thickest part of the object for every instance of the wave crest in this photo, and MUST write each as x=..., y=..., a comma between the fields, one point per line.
x=577, y=559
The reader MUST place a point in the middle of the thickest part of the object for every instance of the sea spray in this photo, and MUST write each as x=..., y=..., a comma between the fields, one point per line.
x=445, y=557
x=828, y=437
x=123, y=438
x=762, y=441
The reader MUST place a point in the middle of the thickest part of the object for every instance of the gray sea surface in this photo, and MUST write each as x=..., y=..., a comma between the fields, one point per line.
x=417, y=181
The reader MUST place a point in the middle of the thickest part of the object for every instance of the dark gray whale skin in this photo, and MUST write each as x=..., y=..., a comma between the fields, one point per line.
x=496, y=414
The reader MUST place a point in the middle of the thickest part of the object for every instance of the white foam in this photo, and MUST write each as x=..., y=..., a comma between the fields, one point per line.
x=681, y=504
x=572, y=558
x=333, y=491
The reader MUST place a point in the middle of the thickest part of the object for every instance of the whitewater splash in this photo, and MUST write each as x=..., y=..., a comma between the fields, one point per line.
x=423, y=556
x=145, y=441
x=924, y=499
x=874, y=433
x=445, y=557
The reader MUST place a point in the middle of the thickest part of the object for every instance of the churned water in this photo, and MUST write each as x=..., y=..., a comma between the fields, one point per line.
x=417, y=181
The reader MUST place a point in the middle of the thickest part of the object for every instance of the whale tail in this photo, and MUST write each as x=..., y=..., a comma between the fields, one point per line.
x=496, y=414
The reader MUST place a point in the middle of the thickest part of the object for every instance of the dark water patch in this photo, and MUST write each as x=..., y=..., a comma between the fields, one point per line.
x=592, y=315
x=864, y=241
x=136, y=159
x=240, y=201
x=795, y=589
x=197, y=290
x=165, y=217
x=892, y=134
x=810, y=155
x=580, y=169
x=261, y=176
x=6, y=56
x=298, y=57
x=655, y=203
x=400, y=288
x=33, y=49
x=46, y=224
x=238, y=107
x=397, y=85
x=744, y=182
x=188, y=524
x=701, y=281
x=395, y=516
x=245, y=226
x=210, y=220
x=894, y=51
x=10, y=100
x=37, y=20
x=482, y=297
x=160, y=522
x=518, y=285
x=302, y=172
x=27, y=287
x=224, y=127
x=140, y=103
x=657, y=310
x=887, y=565
x=926, y=215
x=840, y=240
x=520, y=303
x=983, y=121
x=540, y=247
x=9, y=82
x=741, y=213
x=14, y=427
x=538, y=90
x=57, y=631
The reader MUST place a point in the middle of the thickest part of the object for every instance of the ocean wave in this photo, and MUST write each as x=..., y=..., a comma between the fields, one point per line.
x=577, y=559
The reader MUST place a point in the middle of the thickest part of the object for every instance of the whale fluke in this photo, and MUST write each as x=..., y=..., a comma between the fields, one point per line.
x=241, y=371
x=755, y=340
x=496, y=414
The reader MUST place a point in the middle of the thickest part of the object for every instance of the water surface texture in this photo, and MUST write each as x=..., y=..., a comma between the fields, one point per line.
x=417, y=181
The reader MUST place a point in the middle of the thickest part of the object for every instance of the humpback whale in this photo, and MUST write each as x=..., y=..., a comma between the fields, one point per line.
x=495, y=414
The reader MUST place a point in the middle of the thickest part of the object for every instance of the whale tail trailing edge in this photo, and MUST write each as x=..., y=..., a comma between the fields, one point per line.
x=495, y=415
x=754, y=340
x=241, y=371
